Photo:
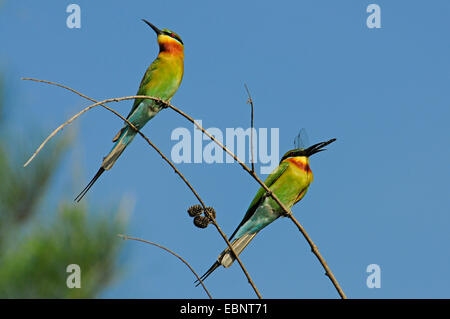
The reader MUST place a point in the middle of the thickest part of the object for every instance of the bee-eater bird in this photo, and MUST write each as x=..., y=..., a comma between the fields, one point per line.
x=161, y=80
x=289, y=182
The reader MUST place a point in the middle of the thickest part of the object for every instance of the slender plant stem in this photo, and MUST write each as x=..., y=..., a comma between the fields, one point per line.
x=252, y=173
x=250, y=101
x=316, y=252
x=286, y=211
x=125, y=237
x=102, y=103
x=125, y=120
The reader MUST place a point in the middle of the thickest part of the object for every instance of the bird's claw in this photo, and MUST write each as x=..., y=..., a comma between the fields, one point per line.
x=162, y=104
x=284, y=214
x=268, y=194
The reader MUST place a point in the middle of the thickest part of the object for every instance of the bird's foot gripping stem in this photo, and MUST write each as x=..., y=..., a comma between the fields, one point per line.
x=269, y=194
x=161, y=104
x=284, y=214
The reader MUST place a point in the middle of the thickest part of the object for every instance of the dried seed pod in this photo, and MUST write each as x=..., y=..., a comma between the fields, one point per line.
x=195, y=210
x=201, y=221
x=211, y=212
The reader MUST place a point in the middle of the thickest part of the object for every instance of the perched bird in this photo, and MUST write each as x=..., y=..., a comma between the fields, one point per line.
x=161, y=80
x=289, y=182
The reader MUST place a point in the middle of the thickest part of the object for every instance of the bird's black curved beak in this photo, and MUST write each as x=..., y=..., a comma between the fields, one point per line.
x=158, y=32
x=319, y=147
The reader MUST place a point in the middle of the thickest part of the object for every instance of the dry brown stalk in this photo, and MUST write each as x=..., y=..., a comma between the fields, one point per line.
x=102, y=103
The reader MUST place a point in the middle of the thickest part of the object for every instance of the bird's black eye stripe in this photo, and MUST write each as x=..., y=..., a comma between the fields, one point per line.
x=174, y=36
x=289, y=154
x=293, y=153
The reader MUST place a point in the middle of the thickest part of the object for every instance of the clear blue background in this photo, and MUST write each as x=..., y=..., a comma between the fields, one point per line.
x=380, y=194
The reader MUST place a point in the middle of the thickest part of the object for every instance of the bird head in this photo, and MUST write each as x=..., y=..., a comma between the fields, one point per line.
x=307, y=152
x=167, y=40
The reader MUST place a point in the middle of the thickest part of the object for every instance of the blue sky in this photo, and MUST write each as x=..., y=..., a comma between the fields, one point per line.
x=380, y=194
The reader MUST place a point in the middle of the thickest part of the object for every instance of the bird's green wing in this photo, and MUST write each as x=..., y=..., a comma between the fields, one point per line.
x=142, y=86
x=273, y=177
x=141, y=91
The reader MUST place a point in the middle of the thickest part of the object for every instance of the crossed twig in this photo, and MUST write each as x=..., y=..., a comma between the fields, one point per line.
x=252, y=173
x=102, y=103
x=125, y=237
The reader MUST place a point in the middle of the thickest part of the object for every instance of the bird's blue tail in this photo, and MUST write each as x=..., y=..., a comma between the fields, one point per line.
x=122, y=139
x=226, y=258
x=125, y=138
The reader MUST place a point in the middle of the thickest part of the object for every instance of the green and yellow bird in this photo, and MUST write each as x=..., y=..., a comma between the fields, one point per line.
x=161, y=80
x=289, y=182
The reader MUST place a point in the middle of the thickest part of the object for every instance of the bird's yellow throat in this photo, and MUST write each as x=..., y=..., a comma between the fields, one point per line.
x=170, y=45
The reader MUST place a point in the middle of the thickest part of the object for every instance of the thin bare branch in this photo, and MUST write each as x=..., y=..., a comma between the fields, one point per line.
x=102, y=103
x=125, y=120
x=125, y=237
x=316, y=252
x=250, y=101
x=287, y=211
x=59, y=128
